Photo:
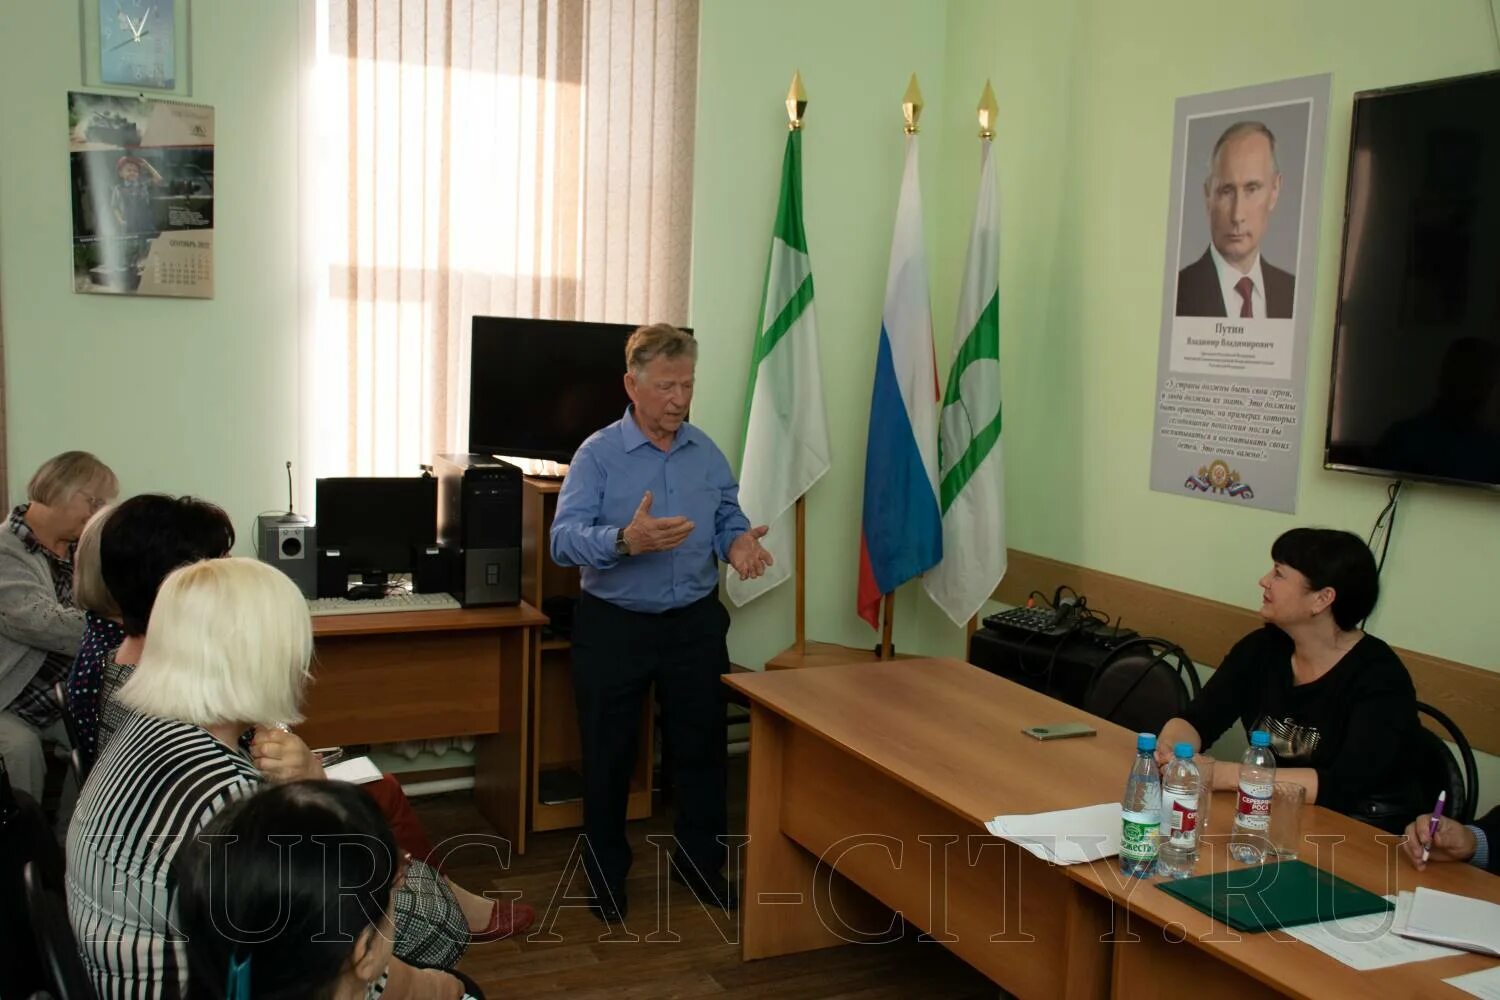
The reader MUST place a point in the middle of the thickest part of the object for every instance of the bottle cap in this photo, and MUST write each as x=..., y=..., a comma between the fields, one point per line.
x=1183, y=751
x=1145, y=741
x=1260, y=738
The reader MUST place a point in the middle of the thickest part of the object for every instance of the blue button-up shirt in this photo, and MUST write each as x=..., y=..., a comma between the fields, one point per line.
x=606, y=480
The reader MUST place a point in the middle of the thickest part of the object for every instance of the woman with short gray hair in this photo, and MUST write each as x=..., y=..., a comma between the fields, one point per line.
x=40, y=628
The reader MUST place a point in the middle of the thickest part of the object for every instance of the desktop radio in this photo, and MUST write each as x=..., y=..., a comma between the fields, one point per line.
x=479, y=527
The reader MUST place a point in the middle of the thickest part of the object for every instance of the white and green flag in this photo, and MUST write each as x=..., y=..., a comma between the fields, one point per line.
x=972, y=474
x=786, y=425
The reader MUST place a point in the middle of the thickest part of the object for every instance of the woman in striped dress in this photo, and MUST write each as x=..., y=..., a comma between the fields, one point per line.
x=227, y=649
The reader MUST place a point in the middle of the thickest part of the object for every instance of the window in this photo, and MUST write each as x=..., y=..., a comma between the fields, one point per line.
x=494, y=157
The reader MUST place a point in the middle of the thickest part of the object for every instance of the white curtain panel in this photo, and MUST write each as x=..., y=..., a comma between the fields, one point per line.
x=494, y=157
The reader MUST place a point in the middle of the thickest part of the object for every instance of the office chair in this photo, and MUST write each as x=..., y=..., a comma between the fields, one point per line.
x=1441, y=772
x=1142, y=684
x=54, y=939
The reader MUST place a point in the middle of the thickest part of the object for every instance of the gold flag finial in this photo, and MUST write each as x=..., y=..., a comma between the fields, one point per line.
x=796, y=103
x=911, y=106
x=989, y=110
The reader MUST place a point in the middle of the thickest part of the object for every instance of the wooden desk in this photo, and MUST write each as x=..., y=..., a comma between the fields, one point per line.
x=1218, y=961
x=886, y=770
x=420, y=675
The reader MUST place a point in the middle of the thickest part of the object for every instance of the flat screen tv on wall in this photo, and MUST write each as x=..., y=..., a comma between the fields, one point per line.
x=1415, y=388
x=539, y=387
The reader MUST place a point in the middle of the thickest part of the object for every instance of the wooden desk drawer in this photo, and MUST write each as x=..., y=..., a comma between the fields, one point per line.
x=383, y=688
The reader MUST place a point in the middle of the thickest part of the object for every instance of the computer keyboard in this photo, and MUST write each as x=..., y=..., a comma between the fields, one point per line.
x=400, y=601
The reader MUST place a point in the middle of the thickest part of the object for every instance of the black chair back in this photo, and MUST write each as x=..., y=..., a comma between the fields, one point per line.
x=68, y=978
x=1142, y=684
x=1439, y=771
x=80, y=760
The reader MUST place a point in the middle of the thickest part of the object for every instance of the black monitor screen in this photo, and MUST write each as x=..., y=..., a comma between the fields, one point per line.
x=377, y=523
x=1417, y=345
x=538, y=388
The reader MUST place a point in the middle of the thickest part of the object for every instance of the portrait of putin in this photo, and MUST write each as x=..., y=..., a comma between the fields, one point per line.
x=1232, y=278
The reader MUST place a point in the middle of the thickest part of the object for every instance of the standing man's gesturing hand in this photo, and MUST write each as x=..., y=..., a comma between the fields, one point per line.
x=645, y=533
x=748, y=557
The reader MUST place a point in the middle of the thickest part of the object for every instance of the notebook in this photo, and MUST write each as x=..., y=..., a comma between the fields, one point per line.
x=1460, y=921
x=1265, y=897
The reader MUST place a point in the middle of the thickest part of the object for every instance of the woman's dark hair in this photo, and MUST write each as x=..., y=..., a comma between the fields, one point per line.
x=150, y=535
x=1337, y=559
x=286, y=879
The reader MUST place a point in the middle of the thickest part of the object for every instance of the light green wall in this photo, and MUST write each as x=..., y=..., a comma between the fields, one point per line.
x=202, y=396
x=1086, y=89
x=1092, y=407
x=178, y=395
x=855, y=57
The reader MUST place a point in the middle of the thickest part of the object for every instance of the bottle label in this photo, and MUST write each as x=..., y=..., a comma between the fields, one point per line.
x=1181, y=813
x=1255, y=806
x=1138, y=839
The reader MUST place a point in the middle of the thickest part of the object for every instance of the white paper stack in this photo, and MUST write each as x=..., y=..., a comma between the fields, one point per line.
x=1459, y=921
x=1065, y=837
x=1369, y=942
x=356, y=771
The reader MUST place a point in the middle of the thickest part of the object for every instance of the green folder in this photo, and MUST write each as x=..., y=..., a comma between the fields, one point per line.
x=1265, y=897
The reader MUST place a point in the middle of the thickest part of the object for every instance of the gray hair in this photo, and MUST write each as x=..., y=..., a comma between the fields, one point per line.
x=659, y=340
x=62, y=476
x=1234, y=132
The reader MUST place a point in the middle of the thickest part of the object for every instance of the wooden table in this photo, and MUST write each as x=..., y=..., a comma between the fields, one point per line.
x=421, y=675
x=888, y=771
x=1177, y=943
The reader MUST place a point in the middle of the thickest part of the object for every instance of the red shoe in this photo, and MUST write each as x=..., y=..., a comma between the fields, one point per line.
x=506, y=918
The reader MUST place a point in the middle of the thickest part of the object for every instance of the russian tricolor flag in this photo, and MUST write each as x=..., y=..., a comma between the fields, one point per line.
x=902, y=531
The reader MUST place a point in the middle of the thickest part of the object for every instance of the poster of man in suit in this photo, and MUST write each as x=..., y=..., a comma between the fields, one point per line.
x=1238, y=292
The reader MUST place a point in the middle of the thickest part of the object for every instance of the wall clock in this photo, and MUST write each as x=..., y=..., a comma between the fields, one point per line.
x=142, y=43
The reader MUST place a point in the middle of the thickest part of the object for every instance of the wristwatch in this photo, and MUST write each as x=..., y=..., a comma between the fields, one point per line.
x=622, y=547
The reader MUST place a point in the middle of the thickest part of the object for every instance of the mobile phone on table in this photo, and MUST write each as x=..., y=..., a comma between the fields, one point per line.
x=1059, y=731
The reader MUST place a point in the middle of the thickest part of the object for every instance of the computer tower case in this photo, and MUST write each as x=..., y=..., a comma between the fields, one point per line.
x=479, y=528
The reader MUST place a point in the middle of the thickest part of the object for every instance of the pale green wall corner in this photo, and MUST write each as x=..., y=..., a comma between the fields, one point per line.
x=177, y=395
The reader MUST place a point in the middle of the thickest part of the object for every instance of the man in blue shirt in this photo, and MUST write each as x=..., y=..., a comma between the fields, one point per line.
x=649, y=508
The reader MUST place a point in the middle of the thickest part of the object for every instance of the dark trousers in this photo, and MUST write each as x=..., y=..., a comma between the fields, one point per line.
x=617, y=656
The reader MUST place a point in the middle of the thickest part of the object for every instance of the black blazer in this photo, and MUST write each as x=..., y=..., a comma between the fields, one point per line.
x=1199, y=292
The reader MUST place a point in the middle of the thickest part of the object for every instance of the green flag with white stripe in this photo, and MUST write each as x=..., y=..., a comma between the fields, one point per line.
x=970, y=468
x=786, y=425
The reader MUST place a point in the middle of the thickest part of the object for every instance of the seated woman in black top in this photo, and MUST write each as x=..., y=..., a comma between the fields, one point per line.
x=1338, y=703
x=288, y=893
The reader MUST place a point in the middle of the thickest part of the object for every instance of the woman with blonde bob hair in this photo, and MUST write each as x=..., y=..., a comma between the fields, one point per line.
x=227, y=649
x=250, y=668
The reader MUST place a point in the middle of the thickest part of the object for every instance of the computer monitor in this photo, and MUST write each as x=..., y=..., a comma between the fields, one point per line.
x=377, y=523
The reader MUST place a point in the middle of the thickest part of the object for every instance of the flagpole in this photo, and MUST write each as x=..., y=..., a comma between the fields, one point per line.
x=801, y=576
x=911, y=113
x=796, y=108
x=988, y=110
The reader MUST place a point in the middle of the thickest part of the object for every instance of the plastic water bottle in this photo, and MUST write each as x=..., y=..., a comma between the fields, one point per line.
x=1252, y=815
x=1181, y=785
x=1140, y=811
